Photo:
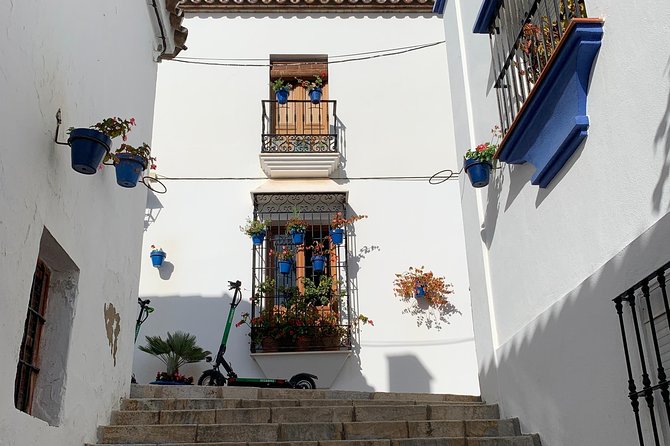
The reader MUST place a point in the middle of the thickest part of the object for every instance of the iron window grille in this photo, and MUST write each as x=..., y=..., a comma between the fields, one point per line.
x=27, y=368
x=299, y=126
x=317, y=209
x=523, y=36
x=646, y=306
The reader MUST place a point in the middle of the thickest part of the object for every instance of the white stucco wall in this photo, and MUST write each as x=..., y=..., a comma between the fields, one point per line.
x=92, y=60
x=397, y=123
x=546, y=331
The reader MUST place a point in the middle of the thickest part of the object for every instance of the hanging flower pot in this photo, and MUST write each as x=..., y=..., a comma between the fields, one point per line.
x=284, y=266
x=315, y=95
x=298, y=237
x=419, y=291
x=157, y=257
x=478, y=171
x=129, y=167
x=282, y=95
x=337, y=235
x=318, y=263
x=258, y=238
x=88, y=147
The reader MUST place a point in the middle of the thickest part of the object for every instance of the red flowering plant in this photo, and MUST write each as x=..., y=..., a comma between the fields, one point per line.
x=427, y=296
x=313, y=84
x=113, y=127
x=339, y=221
x=484, y=152
x=143, y=151
x=284, y=254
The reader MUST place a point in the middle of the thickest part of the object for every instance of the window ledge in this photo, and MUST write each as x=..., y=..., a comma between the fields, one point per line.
x=553, y=122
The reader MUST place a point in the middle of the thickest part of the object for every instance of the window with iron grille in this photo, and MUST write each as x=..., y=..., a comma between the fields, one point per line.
x=307, y=305
x=29, y=355
x=524, y=34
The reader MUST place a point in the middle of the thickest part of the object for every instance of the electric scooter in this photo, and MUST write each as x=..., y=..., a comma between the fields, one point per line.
x=145, y=310
x=215, y=378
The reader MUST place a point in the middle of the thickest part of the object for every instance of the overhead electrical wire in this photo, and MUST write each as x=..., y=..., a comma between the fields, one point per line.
x=370, y=55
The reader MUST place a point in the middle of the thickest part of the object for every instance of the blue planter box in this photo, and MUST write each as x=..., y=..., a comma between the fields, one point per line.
x=88, y=147
x=129, y=167
x=319, y=263
x=315, y=95
x=337, y=235
x=157, y=258
x=479, y=172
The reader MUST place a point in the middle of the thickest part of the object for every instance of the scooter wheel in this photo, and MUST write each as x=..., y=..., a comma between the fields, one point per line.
x=303, y=382
x=211, y=378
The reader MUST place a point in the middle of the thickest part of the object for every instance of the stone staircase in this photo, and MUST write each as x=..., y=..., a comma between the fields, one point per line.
x=239, y=416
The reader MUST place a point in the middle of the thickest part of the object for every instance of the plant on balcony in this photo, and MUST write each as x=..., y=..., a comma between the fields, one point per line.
x=89, y=145
x=265, y=329
x=338, y=224
x=479, y=161
x=282, y=90
x=178, y=349
x=319, y=255
x=296, y=227
x=284, y=259
x=130, y=162
x=433, y=307
x=256, y=229
x=314, y=88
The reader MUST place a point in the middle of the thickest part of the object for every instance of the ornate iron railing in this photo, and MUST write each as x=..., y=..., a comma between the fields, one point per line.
x=299, y=126
x=523, y=35
x=276, y=292
x=650, y=295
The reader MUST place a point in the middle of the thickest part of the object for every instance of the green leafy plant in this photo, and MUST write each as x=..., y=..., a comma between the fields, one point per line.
x=312, y=84
x=486, y=151
x=177, y=350
x=437, y=307
x=296, y=224
x=255, y=227
x=280, y=84
x=143, y=151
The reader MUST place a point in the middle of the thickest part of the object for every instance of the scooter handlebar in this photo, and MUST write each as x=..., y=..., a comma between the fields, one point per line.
x=234, y=285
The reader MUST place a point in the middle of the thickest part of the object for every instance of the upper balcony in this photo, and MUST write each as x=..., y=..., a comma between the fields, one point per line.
x=299, y=139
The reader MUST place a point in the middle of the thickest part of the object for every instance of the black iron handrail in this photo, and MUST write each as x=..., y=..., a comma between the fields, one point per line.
x=299, y=126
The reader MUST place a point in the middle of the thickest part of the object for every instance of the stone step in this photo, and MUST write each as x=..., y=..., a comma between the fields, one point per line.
x=232, y=403
x=520, y=440
x=157, y=391
x=302, y=414
x=273, y=432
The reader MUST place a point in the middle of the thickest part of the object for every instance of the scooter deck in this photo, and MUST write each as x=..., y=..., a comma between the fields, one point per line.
x=259, y=382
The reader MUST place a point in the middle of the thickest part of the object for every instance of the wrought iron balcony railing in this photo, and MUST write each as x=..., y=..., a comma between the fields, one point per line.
x=299, y=126
x=524, y=34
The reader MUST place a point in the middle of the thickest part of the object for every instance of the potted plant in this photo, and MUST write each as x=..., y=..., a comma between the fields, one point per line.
x=284, y=260
x=256, y=230
x=319, y=254
x=157, y=256
x=432, y=307
x=282, y=90
x=479, y=161
x=177, y=350
x=329, y=332
x=89, y=145
x=130, y=162
x=296, y=227
x=337, y=225
x=314, y=88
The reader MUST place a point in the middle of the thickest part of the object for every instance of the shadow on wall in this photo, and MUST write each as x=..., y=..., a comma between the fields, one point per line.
x=152, y=210
x=570, y=362
x=166, y=270
x=407, y=374
x=662, y=141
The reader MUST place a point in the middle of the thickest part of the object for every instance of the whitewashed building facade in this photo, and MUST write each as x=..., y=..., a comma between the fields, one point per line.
x=576, y=221
x=381, y=118
x=70, y=243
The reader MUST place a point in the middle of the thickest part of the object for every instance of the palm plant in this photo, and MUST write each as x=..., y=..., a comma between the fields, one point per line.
x=178, y=349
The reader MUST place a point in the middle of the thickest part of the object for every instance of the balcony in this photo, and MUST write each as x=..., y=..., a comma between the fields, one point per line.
x=299, y=139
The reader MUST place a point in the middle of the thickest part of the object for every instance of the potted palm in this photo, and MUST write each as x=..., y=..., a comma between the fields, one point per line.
x=89, y=145
x=479, y=161
x=130, y=162
x=256, y=230
x=176, y=350
x=282, y=90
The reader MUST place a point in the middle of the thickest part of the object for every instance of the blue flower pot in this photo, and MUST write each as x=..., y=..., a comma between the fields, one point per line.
x=479, y=172
x=282, y=96
x=298, y=236
x=284, y=266
x=129, y=167
x=157, y=257
x=315, y=95
x=258, y=238
x=88, y=148
x=318, y=263
x=337, y=235
x=419, y=291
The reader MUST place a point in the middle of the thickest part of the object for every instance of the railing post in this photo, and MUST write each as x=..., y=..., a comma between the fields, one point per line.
x=662, y=377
